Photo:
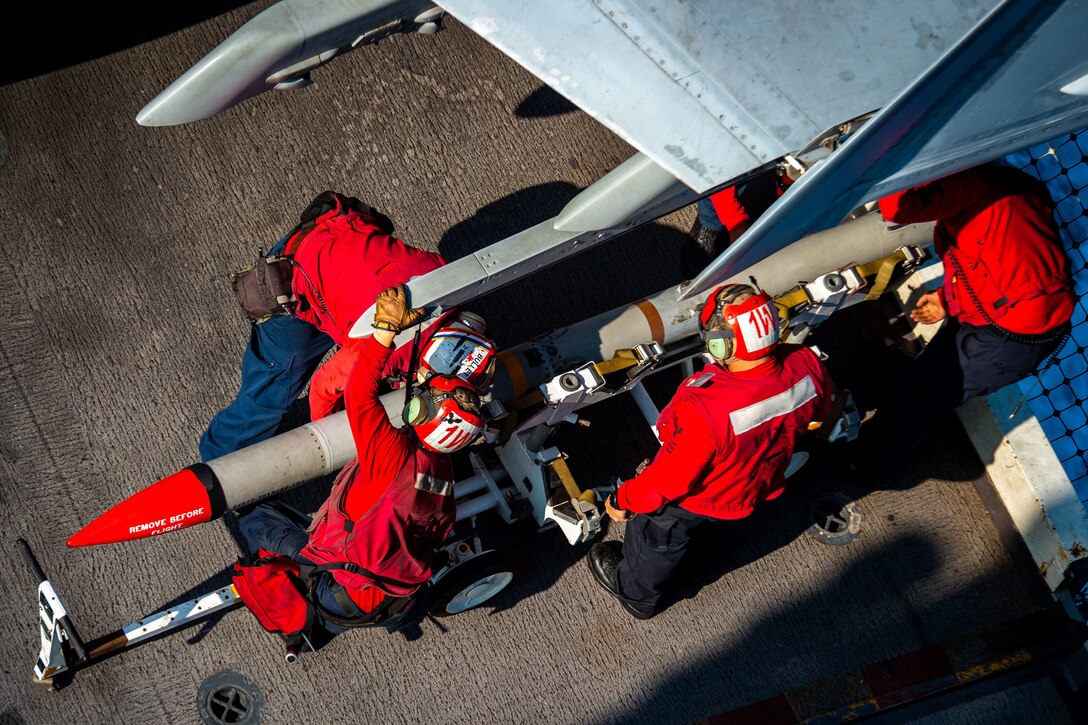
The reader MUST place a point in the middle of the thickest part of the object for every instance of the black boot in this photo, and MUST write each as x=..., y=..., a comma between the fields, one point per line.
x=604, y=559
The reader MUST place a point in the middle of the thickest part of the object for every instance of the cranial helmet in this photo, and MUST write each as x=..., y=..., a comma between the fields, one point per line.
x=458, y=350
x=445, y=412
x=739, y=323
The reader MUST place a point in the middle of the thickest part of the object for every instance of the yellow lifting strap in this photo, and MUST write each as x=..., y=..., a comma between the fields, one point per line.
x=562, y=470
x=621, y=360
x=882, y=268
x=787, y=302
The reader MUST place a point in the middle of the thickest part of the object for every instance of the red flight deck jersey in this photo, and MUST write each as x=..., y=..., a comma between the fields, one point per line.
x=384, y=452
x=727, y=437
x=326, y=395
x=348, y=262
x=998, y=224
x=733, y=212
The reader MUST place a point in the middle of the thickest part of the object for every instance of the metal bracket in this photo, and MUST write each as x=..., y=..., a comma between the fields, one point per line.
x=59, y=639
x=848, y=424
x=563, y=394
x=830, y=292
x=52, y=659
x=579, y=520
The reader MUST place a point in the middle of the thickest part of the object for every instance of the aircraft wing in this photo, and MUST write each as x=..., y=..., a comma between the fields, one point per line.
x=709, y=91
x=1019, y=78
x=712, y=88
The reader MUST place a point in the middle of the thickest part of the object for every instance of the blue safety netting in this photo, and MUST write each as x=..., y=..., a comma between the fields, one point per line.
x=1058, y=394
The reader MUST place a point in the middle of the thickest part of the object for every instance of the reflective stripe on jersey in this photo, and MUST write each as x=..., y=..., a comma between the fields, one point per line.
x=433, y=484
x=756, y=414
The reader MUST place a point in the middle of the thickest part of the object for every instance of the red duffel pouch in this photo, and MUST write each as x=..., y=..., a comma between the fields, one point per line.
x=270, y=587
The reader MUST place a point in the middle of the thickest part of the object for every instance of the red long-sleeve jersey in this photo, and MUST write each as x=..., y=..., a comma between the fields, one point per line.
x=727, y=437
x=344, y=264
x=735, y=209
x=997, y=225
x=341, y=268
x=382, y=448
x=327, y=385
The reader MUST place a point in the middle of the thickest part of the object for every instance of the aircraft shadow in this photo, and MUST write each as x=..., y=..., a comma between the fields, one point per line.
x=505, y=217
x=71, y=42
x=543, y=103
x=648, y=258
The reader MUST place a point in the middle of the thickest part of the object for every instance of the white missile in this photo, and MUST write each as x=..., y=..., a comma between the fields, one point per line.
x=204, y=491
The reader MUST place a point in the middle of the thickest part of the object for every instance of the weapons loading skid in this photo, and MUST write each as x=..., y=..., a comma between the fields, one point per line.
x=203, y=492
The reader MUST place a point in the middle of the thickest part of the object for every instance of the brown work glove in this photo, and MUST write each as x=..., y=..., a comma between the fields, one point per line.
x=392, y=313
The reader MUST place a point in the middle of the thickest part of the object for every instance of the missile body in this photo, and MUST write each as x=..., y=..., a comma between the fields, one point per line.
x=205, y=491
x=666, y=318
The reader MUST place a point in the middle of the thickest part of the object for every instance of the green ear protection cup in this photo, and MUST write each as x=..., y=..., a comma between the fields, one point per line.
x=720, y=348
x=414, y=413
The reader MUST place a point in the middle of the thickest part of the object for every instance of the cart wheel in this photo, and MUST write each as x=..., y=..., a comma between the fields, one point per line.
x=470, y=584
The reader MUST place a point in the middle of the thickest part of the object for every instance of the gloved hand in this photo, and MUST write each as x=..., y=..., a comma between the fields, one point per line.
x=392, y=313
x=614, y=511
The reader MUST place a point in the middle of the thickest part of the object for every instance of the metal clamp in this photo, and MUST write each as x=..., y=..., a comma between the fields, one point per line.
x=572, y=386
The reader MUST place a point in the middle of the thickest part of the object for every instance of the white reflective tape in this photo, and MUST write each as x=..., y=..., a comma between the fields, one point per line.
x=701, y=380
x=430, y=484
x=180, y=615
x=755, y=415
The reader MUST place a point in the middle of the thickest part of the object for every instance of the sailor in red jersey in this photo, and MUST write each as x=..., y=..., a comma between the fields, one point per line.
x=725, y=215
x=1006, y=299
x=373, y=542
x=727, y=437
x=343, y=254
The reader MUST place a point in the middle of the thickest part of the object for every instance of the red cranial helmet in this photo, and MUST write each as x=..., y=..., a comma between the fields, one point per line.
x=446, y=413
x=460, y=352
x=739, y=322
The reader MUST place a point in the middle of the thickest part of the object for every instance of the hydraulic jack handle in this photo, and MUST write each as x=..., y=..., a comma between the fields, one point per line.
x=35, y=568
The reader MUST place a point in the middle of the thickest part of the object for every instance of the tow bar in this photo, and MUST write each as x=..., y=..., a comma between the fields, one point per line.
x=62, y=649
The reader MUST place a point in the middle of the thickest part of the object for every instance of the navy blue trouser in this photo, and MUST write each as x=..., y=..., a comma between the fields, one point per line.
x=282, y=354
x=653, y=547
x=273, y=529
x=960, y=362
x=708, y=216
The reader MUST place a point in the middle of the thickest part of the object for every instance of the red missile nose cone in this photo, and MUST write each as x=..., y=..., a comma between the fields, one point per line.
x=175, y=502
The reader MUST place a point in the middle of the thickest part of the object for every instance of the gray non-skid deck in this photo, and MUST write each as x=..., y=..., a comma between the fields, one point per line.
x=120, y=338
